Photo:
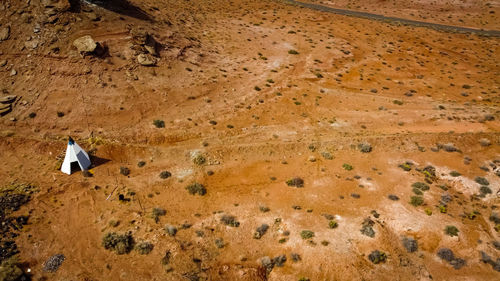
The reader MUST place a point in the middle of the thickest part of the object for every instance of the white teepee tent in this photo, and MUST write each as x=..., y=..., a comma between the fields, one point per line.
x=74, y=153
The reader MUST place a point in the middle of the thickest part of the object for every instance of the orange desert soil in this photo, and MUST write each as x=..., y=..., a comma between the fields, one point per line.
x=264, y=92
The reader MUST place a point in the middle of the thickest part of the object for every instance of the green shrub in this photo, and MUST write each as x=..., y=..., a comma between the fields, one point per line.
x=455, y=174
x=417, y=201
x=365, y=147
x=199, y=159
x=297, y=182
x=120, y=243
x=420, y=185
x=405, y=166
x=144, y=248
x=347, y=167
x=293, y=52
x=451, y=230
x=332, y=224
x=124, y=171
x=482, y=181
x=417, y=191
x=484, y=190
x=377, y=257
x=443, y=209
x=159, y=123
x=157, y=213
x=10, y=271
x=306, y=234
x=230, y=220
x=260, y=231
x=196, y=188
x=165, y=175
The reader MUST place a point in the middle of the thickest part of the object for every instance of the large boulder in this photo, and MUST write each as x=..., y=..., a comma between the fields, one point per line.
x=85, y=44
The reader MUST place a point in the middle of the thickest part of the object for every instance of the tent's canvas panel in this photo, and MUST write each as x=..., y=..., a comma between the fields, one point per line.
x=74, y=153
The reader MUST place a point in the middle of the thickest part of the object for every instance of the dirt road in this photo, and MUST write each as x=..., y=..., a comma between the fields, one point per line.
x=437, y=26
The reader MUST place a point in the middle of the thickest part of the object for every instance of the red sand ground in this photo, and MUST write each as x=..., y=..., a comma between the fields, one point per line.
x=338, y=91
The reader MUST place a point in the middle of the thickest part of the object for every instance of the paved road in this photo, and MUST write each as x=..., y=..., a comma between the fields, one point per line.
x=437, y=26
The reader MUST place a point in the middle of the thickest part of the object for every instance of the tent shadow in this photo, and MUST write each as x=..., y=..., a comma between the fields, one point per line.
x=97, y=161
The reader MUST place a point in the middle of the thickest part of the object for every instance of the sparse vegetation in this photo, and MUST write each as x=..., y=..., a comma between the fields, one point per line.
x=293, y=52
x=377, y=257
x=196, y=188
x=199, y=159
x=144, y=248
x=451, y=230
x=332, y=224
x=157, y=213
x=481, y=181
x=421, y=186
x=417, y=201
x=410, y=244
x=260, y=231
x=365, y=147
x=230, y=220
x=120, y=243
x=406, y=166
x=367, y=228
x=159, y=123
x=306, y=234
x=347, y=167
x=165, y=174
x=124, y=171
x=296, y=182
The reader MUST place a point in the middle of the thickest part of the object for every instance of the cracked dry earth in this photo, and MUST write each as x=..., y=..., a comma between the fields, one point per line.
x=293, y=118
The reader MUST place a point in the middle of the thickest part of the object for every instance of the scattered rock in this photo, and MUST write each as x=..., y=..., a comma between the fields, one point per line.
x=85, y=44
x=146, y=60
x=4, y=33
x=449, y=147
x=53, y=263
x=485, y=142
x=171, y=230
